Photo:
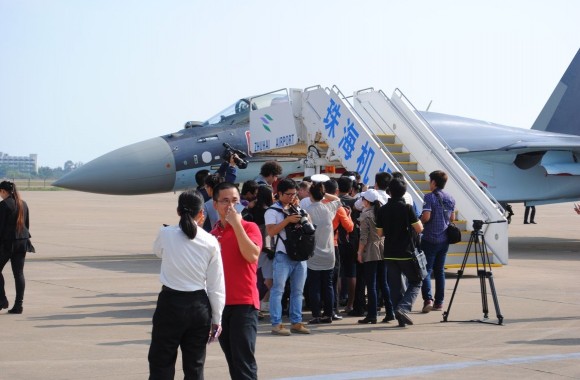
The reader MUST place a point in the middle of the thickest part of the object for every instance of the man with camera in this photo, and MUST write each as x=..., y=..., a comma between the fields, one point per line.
x=283, y=267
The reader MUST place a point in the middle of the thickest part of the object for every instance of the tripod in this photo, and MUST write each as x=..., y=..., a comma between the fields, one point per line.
x=483, y=265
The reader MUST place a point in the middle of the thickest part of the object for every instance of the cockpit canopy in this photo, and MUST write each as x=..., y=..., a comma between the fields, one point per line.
x=240, y=110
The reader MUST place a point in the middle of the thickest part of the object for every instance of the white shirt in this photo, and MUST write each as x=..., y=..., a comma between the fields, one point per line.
x=190, y=265
x=305, y=202
x=276, y=217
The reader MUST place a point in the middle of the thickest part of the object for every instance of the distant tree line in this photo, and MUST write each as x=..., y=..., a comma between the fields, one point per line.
x=44, y=172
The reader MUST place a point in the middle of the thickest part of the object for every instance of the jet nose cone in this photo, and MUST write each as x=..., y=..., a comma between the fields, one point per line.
x=146, y=167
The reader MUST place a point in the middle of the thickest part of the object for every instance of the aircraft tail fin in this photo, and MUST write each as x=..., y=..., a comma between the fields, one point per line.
x=561, y=113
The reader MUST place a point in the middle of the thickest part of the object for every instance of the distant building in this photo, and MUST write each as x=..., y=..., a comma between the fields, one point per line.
x=22, y=164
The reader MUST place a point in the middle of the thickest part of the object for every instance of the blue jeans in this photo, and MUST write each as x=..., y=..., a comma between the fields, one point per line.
x=436, y=254
x=283, y=269
x=402, y=298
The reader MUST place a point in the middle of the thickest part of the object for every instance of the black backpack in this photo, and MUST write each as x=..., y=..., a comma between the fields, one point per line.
x=348, y=241
x=299, y=246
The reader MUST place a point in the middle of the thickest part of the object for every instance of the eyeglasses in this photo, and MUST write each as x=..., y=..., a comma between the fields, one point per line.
x=289, y=194
x=225, y=202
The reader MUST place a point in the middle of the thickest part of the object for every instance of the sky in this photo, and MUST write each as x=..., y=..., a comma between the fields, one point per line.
x=79, y=78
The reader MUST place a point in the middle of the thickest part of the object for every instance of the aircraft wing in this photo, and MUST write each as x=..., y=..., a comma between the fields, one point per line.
x=525, y=148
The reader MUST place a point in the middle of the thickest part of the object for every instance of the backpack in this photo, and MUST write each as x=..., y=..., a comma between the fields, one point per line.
x=348, y=241
x=299, y=246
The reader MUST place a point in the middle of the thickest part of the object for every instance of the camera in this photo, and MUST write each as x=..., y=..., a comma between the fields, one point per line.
x=307, y=227
x=239, y=159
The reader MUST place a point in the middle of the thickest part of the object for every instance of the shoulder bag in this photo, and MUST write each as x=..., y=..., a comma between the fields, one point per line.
x=417, y=255
x=453, y=232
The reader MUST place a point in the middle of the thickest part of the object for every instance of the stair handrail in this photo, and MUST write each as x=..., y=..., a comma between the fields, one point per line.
x=402, y=96
x=399, y=167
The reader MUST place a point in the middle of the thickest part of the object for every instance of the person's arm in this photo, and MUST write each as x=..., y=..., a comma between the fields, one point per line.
x=275, y=229
x=418, y=226
x=345, y=220
x=425, y=216
x=157, y=247
x=364, y=236
x=215, y=285
x=250, y=250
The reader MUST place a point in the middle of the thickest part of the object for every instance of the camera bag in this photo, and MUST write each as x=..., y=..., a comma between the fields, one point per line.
x=299, y=246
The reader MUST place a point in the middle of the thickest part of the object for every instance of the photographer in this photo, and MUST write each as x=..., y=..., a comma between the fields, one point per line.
x=233, y=159
x=283, y=267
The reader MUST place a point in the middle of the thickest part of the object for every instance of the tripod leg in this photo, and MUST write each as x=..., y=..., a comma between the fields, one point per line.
x=482, y=274
x=495, y=300
x=459, y=275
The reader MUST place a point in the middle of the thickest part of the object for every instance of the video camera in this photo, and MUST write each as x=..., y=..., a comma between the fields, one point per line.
x=239, y=156
x=307, y=227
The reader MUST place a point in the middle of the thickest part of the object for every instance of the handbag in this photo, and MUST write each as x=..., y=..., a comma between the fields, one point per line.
x=417, y=255
x=453, y=232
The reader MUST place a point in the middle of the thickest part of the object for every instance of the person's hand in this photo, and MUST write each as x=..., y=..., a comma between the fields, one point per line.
x=233, y=217
x=294, y=218
x=359, y=257
x=577, y=209
x=214, y=333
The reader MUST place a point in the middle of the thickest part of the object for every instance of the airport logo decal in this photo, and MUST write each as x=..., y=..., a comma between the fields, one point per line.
x=266, y=119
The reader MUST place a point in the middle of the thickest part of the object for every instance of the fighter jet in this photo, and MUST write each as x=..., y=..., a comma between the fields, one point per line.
x=535, y=166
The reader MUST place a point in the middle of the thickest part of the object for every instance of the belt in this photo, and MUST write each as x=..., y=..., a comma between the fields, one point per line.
x=168, y=289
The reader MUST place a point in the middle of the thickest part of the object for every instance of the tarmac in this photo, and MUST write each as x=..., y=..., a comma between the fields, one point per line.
x=93, y=283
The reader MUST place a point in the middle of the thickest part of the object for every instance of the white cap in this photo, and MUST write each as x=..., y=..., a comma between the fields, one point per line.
x=319, y=178
x=370, y=195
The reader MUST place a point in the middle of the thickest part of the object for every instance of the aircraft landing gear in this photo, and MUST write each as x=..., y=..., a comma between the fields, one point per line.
x=508, y=211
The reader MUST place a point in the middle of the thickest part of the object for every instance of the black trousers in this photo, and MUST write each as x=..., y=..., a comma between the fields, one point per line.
x=238, y=340
x=17, y=262
x=181, y=319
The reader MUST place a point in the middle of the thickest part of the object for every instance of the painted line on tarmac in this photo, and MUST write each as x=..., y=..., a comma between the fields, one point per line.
x=420, y=370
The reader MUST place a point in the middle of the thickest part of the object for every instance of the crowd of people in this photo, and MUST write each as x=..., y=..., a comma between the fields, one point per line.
x=227, y=262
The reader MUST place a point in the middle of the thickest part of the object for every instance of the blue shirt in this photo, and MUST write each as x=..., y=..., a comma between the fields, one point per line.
x=435, y=230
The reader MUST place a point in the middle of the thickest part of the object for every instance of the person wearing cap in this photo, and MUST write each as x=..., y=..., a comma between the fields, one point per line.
x=14, y=239
x=321, y=264
x=370, y=253
x=382, y=180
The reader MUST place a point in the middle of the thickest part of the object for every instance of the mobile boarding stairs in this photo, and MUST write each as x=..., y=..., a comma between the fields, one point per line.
x=369, y=133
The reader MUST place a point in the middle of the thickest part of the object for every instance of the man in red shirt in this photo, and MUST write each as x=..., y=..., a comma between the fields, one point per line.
x=241, y=243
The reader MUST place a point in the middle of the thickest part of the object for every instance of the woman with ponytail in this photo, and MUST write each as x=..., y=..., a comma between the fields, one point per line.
x=14, y=237
x=189, y=307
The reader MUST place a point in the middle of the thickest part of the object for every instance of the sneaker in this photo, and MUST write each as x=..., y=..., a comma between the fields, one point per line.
x=403, y=317
x=427, y=306
x=437, y=307
x=298, y=328
x=280, y=330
